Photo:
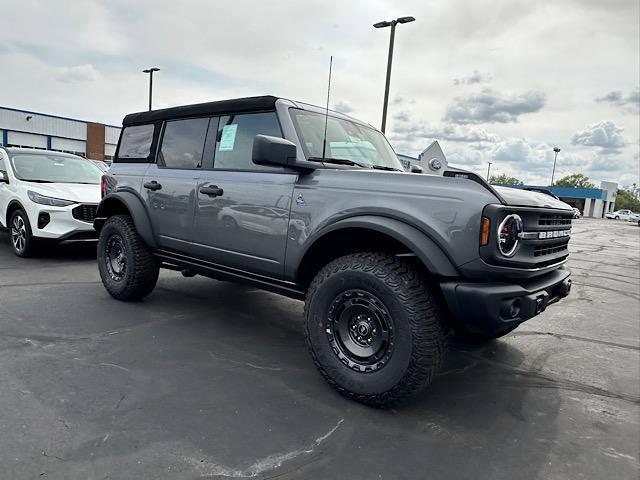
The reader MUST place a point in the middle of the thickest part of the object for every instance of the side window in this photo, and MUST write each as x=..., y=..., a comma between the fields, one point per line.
x=183, y=143
x=136, y=141
x=235, y=139
x=3, y=166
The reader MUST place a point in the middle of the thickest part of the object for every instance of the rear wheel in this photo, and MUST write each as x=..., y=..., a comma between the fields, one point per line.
x=373, y=329
x=127, y=266
x=21, y=236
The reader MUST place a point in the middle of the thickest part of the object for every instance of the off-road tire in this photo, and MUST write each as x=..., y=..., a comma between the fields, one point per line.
x=419, y=332
x=26, y=234
x=141, y=273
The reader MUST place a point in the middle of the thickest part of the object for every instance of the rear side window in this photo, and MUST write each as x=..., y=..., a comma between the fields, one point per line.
x=183, y=143
x=135, y=141
x=3, y=166
x=236, y=133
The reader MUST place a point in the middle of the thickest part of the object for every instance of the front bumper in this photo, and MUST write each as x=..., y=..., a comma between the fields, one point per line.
x=58, y=223
x=477, y=307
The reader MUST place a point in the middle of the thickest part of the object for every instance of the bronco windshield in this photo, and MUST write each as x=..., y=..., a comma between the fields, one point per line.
x=346, y=140
x=51, y=168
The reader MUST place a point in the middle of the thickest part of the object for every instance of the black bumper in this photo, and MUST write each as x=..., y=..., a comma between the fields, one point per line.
x=477, y=307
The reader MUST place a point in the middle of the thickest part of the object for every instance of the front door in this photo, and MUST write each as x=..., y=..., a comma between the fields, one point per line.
x=242, y=213
x=169, y=186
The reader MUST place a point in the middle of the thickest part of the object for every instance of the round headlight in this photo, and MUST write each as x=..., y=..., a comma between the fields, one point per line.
x=509, y=235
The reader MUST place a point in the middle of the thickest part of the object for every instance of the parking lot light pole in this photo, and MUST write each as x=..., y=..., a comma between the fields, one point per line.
x=557, y=150
x=391, y=24
x=150, y=72
x=488, y=171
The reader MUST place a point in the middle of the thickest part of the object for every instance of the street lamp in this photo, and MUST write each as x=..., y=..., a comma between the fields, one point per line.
x=391, y=24
x=557, y=150
x=488, y=170
x=150, y=72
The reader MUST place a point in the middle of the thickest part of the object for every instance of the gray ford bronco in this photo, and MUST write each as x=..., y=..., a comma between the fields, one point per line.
x=315, y=205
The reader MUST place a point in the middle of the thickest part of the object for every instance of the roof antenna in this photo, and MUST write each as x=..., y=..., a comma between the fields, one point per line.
x=326, y=115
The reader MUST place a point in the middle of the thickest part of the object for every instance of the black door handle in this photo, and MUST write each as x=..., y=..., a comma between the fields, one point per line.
x=153, y=185
x=212, y=191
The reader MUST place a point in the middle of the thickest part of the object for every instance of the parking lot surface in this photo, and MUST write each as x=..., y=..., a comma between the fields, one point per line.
x=212, y=379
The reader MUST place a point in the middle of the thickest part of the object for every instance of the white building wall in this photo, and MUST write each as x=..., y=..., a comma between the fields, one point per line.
x=27, y=139
x=68, y=145
x=109, y=149
x=42, y=124
x=111, y=134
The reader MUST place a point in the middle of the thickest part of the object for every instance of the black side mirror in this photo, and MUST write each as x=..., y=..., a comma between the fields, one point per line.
x=416, y=169
x=4, y=178
x=273, y=151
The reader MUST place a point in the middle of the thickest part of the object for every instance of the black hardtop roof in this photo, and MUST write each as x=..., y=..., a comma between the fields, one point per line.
x=236, y=105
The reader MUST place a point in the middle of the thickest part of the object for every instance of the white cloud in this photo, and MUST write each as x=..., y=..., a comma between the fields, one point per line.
x=605, y=134
x=79, y=73
x=490, y=106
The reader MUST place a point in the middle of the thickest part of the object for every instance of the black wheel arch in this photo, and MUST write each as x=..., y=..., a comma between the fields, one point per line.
x=126, y=203
x=380, y=234
x=12, y=207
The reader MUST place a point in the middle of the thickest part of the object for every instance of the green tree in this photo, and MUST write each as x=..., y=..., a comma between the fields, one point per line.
x=503, y=179
x=625, y=199
x=577, y=180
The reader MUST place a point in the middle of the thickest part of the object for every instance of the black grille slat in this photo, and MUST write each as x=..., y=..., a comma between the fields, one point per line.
x=554, y=220
x=550, y=248
x=85, y=212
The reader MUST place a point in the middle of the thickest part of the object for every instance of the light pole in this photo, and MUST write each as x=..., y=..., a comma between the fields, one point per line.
x=391, y=24
x=488, y=171
x=557, y=150
x=150, y=72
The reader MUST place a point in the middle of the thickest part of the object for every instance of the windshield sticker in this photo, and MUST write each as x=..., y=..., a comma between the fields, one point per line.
x=228, y=138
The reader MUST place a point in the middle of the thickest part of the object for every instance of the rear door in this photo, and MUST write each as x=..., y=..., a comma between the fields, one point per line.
x=169, y=185
x=242, y=212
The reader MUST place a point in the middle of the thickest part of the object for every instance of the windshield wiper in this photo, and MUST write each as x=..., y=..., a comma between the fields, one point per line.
x=384, y=167
x=338, y=161
x=36, y=181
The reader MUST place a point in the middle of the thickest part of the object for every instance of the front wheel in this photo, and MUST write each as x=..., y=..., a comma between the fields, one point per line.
x=21, y=235
x=617, y=217
x=127, y=266
x=373, y=328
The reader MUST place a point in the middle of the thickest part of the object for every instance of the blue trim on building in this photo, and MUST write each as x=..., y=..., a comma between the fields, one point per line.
x=563, y=192
x=53, y=116
x=48, y=142
x=5, y=137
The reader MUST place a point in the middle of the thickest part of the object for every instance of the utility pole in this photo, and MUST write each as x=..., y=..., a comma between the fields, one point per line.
x=150, y=72
x=557, y=151
x=488, y=171
x=391, y=24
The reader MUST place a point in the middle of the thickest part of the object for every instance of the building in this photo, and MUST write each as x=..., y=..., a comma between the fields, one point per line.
x=22, y=128
x=592, y=202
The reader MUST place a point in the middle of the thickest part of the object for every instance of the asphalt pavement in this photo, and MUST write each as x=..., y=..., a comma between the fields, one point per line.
x=208, y=379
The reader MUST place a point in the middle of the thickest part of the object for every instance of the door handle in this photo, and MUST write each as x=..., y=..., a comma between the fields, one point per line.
x=153, y=185
x=212, y=191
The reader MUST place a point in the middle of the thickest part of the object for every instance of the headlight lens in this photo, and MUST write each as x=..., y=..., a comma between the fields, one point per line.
x=509, y=235
x=51, y=201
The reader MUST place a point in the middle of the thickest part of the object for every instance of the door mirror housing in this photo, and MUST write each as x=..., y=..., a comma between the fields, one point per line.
x=273, y=151
x=4, y=178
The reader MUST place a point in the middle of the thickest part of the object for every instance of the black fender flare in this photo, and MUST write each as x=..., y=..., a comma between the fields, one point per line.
x=111, y=204
x=424, y=247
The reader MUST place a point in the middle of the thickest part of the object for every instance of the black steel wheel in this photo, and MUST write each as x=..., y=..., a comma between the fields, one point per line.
x=373, y=327
x=127, y=266
x=20, y=232
x=360, y=330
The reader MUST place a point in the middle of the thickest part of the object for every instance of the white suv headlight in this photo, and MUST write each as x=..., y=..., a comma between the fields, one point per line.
x=51, y=201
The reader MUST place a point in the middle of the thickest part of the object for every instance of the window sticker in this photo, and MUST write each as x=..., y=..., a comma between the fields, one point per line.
x=228, y=138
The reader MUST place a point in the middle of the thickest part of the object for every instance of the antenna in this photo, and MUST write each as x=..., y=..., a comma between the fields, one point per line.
x=326, y=114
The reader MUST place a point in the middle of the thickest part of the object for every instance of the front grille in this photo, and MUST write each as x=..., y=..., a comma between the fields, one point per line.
x=552, y=219
x=550, y=248
x=85, y=212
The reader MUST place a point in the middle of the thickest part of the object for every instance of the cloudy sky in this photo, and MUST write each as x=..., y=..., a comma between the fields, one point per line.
x=494, y=80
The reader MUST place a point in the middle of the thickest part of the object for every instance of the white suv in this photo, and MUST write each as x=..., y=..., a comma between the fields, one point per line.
x=47, y=195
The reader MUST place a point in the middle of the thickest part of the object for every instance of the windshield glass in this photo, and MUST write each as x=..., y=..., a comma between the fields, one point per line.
x=51, y=168
x=346, y=140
